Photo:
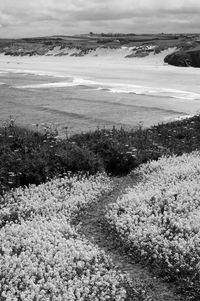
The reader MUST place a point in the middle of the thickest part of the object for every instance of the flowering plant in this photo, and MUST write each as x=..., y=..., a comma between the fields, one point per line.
x=159, y=218
x=42, y=257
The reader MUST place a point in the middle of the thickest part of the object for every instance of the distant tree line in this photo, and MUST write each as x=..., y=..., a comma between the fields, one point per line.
x=113, y=34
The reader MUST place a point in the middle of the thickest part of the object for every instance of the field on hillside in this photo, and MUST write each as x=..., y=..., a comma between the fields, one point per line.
x=48, y=184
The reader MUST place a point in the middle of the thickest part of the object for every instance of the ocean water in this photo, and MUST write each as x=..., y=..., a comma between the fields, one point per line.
x=75, y=104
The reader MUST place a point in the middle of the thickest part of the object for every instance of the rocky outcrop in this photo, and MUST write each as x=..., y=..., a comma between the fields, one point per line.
x=189, y=58
x=137, y=54
x=77, y=54
x=82, y=52
x=22, y=52
x=61, y=54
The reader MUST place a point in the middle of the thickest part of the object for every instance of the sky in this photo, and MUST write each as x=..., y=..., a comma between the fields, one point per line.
x=31, y=18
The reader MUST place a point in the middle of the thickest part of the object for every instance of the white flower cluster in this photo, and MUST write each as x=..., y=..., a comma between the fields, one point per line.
x=42, y=258
x=159, y=218
x=57, y=197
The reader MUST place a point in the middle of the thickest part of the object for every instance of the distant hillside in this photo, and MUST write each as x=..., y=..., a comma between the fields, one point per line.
x=82, y=44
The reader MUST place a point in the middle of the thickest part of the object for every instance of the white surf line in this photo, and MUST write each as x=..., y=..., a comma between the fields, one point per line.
x=112, y=87
x=75, y=82
x=47, y=85
x=32, y=72
x=119, y=88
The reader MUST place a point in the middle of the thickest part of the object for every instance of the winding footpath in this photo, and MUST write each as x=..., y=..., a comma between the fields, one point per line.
x=91, y=224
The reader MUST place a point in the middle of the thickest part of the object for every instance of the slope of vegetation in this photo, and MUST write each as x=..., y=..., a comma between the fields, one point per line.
x=34, y=157
x=159, y=219
x=42, y=257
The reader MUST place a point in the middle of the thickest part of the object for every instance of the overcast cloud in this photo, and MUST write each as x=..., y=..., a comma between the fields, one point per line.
x=22, y=18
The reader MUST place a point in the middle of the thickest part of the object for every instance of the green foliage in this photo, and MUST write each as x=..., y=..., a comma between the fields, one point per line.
x=34, y=157
x=120, y=150
x=28, y=157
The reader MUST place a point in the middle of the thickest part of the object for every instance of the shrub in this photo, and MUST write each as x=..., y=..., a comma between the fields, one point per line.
x=28, y=157
x=119, y=149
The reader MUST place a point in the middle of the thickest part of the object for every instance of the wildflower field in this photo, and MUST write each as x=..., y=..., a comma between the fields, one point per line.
x=42, y=257
x=158, y=220
x=47, y=182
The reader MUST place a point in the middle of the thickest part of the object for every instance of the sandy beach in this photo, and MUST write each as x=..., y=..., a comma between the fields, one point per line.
x=159, y=91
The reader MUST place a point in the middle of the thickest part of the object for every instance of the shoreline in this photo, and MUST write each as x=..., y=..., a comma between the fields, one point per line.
x=148, y=72
x=101, y=91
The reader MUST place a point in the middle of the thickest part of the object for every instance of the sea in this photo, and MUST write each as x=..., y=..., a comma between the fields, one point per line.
x=73, y=104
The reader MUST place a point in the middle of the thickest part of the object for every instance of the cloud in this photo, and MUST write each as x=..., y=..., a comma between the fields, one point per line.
x=20, y=18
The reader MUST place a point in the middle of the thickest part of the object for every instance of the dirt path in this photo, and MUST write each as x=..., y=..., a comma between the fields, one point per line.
x=91, y=224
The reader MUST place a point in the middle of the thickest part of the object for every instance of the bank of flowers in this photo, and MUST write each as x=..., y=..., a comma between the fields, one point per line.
x=159, y=219
x=63, y=196
x=42, y=257
x=47, y=260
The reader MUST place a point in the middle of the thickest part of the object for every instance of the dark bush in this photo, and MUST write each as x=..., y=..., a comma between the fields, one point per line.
x=120, y=150
x=28, y=157
x=33, y=157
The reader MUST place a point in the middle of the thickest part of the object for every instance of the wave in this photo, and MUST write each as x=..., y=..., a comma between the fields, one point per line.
x=117, y=88
x=162, y=92
x=47, y=85
x=73, y=82
x=32, y=72
x=183, y=117
x=3, y=72
x=151, y=91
